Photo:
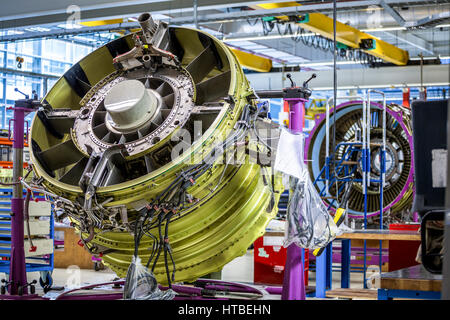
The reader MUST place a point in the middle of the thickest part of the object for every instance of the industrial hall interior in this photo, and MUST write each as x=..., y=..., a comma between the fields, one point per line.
x=232, y=153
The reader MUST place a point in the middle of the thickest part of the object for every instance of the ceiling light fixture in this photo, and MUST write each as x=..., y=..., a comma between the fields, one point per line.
x=268, y=37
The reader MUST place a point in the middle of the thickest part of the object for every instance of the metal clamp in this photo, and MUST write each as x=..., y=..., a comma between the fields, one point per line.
x=9, y=129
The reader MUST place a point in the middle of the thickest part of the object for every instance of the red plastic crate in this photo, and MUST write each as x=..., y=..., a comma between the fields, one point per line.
x=269, y=257
x=402, y=254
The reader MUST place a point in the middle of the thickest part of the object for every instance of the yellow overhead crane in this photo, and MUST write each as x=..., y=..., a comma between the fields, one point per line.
x=97, y=23
x=252, y=61
x=314, y=22
x=349, y=36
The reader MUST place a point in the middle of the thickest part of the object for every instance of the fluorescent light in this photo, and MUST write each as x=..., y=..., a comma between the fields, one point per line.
x=69, y=26
x=38, y=29
x=383, y=29
x=429, y=58
x=10, y=32
x=266, y=37
x=328, y=63
x=398, y=28
x=424, y=58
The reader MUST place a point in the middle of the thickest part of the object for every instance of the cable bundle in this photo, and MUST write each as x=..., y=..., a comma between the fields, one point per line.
x=317, y=41
x=174, y=199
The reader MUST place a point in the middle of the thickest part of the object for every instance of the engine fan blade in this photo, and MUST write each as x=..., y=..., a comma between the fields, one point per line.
x=165, y=113
x=61, y=155
x=148, y=163
x=212, y=89
x=122, y=139
x=113, y=176
x=101, y=130
x=169, y=99
x=110, y=137
x=73, y=175
x=147, y=83
x=164, y=89
x=98, y=118
x=62, y=125
x=128, y=137
x=202, y=65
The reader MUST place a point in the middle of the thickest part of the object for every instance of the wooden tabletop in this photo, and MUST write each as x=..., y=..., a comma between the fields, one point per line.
x=274, y=233
x=381, y=235
x=372, y=234
x=412, y=278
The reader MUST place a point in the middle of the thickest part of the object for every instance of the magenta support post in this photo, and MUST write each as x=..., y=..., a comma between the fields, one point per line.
x=294, y=282
x=17, y=287
x=17, y=274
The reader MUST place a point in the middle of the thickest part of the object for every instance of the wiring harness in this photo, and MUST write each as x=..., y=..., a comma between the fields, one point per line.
x=175, y=198
x=315, y=41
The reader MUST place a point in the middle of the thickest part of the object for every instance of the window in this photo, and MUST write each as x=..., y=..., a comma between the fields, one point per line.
x=1, y=88
x=49, y=56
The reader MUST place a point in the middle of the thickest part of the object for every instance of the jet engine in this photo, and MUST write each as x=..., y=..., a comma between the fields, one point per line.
x=399, y=171
x=132, y=144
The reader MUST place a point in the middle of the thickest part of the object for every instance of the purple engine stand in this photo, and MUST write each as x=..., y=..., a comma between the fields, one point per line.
x=293, y=281
x=17, y=284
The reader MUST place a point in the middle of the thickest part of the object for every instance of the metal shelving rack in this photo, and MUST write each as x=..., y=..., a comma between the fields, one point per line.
x=43, y=263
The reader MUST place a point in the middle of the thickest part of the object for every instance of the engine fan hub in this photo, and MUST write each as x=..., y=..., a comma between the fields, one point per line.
x=128, y=108
x=391, y=161
x=130, y=105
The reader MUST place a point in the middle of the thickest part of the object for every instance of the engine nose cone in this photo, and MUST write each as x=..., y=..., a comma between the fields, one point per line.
x=129, y=105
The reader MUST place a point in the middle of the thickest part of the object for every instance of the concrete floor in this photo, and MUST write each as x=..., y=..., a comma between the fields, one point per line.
x=238, y=270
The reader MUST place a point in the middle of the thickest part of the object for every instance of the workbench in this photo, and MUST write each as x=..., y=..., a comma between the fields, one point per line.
x=381, y=235
x=411, y=283
x=324, y=261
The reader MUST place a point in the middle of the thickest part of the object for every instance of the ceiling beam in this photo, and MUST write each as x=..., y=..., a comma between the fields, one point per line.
x=163, y=7
x=55, y=33
x=430, y=21
x=394, y=14
x=412, y=40
x=21, y=13
x=305, y=8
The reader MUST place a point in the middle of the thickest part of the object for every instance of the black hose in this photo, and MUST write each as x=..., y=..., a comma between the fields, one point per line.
x=9, y=184
x=161, y=242
x=169, y=194
x=91, y=234
x=166, y=246
x=317, y=41
x=27, y=216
